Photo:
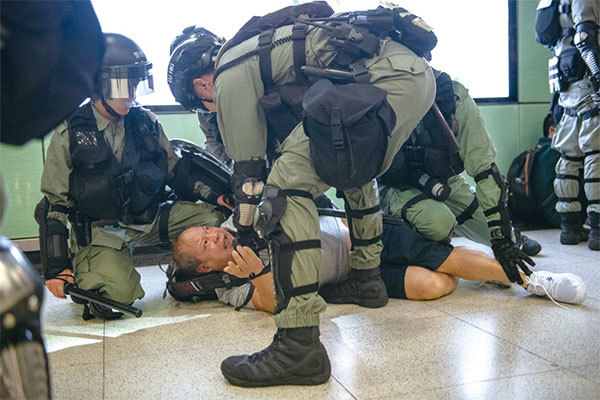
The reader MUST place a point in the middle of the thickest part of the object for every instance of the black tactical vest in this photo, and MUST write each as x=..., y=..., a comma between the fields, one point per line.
x=102, y=187
x=428, y=150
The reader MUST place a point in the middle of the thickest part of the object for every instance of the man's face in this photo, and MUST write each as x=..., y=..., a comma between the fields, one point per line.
x=121, y=106
x=210, y=244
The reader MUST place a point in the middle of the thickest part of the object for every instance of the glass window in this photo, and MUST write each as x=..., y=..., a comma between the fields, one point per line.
x=473, y=35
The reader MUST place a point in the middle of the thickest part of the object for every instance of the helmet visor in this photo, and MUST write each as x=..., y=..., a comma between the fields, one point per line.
x=127, y=81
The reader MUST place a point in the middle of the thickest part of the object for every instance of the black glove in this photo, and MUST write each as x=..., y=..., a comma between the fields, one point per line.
x=511, y=257
x=247, y=236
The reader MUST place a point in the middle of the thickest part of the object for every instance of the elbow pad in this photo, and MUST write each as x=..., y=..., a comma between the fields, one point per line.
x=586, y=40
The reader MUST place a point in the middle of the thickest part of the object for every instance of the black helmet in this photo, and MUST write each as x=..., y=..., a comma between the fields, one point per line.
x=192, y=54
x=125, y=70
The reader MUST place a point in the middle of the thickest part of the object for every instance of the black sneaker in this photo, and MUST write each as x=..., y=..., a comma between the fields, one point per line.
x=296, y=357
x=530, y=247
x=363, y=287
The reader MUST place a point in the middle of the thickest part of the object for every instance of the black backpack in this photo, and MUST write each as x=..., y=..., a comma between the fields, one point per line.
x=520, y=189
x=547, y=24
x=198, y=286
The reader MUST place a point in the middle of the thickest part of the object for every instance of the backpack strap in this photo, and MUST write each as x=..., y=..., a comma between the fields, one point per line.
x=299, y=49
x=265, y=39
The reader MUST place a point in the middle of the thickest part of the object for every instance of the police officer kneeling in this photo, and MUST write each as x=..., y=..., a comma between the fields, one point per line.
x=105, y=173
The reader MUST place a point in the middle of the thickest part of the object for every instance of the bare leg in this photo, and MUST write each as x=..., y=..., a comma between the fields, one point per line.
x=474, y=265
x=423, y=284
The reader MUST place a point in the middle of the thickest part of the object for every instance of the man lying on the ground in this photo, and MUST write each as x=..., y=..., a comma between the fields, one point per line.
x=413, y=267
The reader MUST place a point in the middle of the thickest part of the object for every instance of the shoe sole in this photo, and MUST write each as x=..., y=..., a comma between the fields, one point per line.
x=368, y=303
x=296, y=381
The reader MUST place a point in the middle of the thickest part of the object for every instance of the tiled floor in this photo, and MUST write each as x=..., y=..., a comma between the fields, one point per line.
x=481, y=342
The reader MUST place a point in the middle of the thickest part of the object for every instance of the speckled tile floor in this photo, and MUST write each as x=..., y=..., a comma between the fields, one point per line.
x=480, y=342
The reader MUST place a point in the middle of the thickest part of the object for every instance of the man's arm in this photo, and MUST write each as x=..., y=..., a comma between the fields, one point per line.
x=247, y=264
x=478, y=153
x=55, y=187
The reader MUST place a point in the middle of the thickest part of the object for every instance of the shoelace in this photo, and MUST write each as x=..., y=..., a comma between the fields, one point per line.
x=553, y=288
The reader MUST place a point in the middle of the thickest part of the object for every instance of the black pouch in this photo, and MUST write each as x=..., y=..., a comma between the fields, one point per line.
x=547, y=24
x=92, y=184
x=413, y=32
x=348, y=127
x=572, y=67
x=283, y=108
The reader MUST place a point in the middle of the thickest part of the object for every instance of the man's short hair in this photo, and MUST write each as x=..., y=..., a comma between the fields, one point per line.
x=548, y=122
x=185, y=261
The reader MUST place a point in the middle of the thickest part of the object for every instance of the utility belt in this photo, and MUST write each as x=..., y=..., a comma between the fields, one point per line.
x=564, y=69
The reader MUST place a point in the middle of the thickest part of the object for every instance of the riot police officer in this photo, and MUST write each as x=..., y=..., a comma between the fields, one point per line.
x=105, y=173
x=206, y=44
x=425, y=188
x=570, y=29
x=288, y=217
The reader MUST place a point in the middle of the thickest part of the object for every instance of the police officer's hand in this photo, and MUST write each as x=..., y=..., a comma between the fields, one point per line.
x=56, y=286
x=511, y=258
x=247, y=236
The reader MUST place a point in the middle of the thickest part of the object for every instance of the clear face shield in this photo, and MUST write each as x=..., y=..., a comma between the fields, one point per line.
x=127, y=81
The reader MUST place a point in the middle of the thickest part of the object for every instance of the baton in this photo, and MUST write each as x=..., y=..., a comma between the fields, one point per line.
x=446, y=130
x=74, y=290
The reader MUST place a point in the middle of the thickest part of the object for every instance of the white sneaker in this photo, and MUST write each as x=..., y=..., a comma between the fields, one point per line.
x=566, y=287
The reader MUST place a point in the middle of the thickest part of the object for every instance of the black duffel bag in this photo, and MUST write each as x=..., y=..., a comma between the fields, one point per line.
x=348, y=127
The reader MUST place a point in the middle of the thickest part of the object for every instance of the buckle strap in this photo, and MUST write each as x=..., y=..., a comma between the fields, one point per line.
x=482, y=175
x=468, y=213
x=301, y=245
x=564, y=8
x=59, y=208
x=591, y=180
x=593, y=201
x=572, y=112
x=364, y=242
x=567, y=177
x=492, y=210
x=300, y=290
x=571, y=158
x=295, y=192
x=163, y=224
x=299, y=52
x=264, y=58
x=362, y=213
x=360, y=72
x=412, y=202
x=568, y=199
x=591, y=153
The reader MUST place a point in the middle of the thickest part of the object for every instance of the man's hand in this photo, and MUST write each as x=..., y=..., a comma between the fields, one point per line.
x=511, y=258
x=245, y=262
x=56, y=286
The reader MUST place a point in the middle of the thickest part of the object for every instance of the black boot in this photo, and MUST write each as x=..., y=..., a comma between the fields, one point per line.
x=363, y=287
x=296, y=357
x=530, y=246
x=594, y=238
x=571, y=229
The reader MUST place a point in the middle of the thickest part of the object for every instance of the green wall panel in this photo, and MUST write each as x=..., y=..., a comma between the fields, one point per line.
x=502, y=123
x=531, y=124
x=22, y=171
x=532, y=57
